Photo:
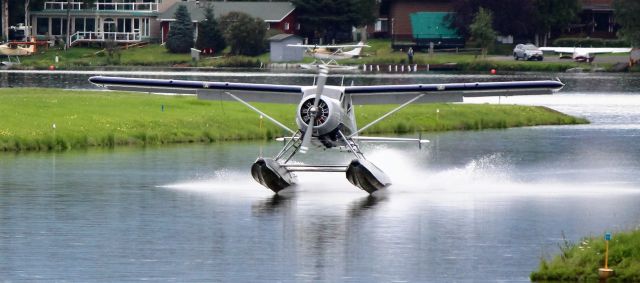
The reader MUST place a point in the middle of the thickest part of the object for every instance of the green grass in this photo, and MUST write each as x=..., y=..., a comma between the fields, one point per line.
x=579, y=262
x=149, y=55
x=106, y=119
x=380, y=52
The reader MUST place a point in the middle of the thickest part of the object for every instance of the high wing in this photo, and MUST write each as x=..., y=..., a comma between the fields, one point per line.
x=289, y=94
x=451, y=92
x=377, y=94
x=586, y=50
x=328, y=46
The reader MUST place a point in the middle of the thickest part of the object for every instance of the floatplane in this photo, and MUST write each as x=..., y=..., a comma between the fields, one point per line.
x=328, y=55
x=22, y=48
x=15, y=49
x=325, y=117
x=584, y=54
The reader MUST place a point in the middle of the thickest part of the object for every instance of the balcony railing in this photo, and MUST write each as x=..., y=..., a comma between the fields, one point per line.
x=92, y=36
x=143, y=7
x=127, y=6
x=62, y=5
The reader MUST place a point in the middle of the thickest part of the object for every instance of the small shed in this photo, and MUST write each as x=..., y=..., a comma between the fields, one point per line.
x=280, y=52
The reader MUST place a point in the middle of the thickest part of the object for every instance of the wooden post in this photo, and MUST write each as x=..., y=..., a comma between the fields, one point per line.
x=606, y=272
x=606, y=254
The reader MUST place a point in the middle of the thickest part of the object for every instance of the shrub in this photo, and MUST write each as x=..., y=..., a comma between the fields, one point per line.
x=180, y=37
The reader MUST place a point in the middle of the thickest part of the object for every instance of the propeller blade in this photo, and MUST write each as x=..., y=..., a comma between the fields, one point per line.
x=306, y=140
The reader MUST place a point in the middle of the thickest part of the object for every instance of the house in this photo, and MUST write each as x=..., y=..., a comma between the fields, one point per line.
x=277, y=15
x=133, y=21
x=123, y=21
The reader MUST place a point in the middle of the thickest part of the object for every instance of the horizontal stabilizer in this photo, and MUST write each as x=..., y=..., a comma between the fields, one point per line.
x=384, y=139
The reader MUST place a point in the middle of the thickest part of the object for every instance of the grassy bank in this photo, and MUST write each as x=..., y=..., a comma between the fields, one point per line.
x=99, y=118
x=150, y=55
x=579, y=262
x=380, y=52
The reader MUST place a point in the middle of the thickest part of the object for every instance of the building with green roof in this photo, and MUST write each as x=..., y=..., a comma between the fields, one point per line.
x=432, y=28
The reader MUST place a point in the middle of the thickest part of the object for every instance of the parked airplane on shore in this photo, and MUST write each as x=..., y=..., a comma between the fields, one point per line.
x=325, y=116
x=584, y=54
x=18, y=48
x=328, y=55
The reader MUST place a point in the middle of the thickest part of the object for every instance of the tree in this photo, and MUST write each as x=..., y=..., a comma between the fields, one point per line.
x=627, y=13
x=481, y=29
x=554, y=15
x=244, y=34
x=209, y=34
x=5, y=19
x=511, y=17
x=333, y=19
x=180, y=37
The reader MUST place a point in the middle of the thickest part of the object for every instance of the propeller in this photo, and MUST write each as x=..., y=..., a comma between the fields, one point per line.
x=322, y=79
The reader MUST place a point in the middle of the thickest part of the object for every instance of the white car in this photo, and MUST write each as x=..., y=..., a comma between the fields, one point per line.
x=527, y=52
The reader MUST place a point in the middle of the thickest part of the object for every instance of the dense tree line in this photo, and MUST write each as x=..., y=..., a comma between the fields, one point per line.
x=243, y=33
x=333, y=19
x=520, y=18
x=209, y=33
x=627, y=14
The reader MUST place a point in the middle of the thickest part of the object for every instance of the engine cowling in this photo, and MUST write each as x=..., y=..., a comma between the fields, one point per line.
x=327, y=119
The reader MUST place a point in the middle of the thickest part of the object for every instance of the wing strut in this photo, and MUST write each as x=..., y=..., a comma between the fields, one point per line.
x=260, y=112
x=387, y=115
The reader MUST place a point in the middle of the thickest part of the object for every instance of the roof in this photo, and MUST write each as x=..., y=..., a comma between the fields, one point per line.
x=283, y=36
x=268, y=11
x=431, y=25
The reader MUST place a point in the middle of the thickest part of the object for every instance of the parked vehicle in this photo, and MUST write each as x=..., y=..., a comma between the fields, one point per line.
x=527, y=52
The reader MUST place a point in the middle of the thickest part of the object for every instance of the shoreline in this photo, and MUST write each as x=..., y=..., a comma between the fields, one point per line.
x=39, y=119
x=156, y=56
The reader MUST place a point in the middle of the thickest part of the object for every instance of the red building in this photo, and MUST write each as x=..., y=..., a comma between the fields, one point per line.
x=277, y=15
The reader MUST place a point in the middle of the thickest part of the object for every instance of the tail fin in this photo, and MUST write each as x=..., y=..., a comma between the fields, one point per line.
x=356, y=51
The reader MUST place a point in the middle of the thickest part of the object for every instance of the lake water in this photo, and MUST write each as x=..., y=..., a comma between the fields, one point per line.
x=471, y=206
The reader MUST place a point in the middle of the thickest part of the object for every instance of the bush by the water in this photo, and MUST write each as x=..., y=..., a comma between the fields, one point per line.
x=579, y=262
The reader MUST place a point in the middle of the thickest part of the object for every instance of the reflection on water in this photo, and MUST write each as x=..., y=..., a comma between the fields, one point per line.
x=472, y=206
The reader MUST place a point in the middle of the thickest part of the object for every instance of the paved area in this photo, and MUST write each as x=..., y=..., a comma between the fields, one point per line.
x=550, y=57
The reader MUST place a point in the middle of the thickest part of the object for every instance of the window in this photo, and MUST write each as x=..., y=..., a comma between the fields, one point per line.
x=286, y=26
x=56, y=26
x=144, y=27
x=381, y=25
x=79, y=24
x=42, y=26
x=90, y=24
x=120, y=25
